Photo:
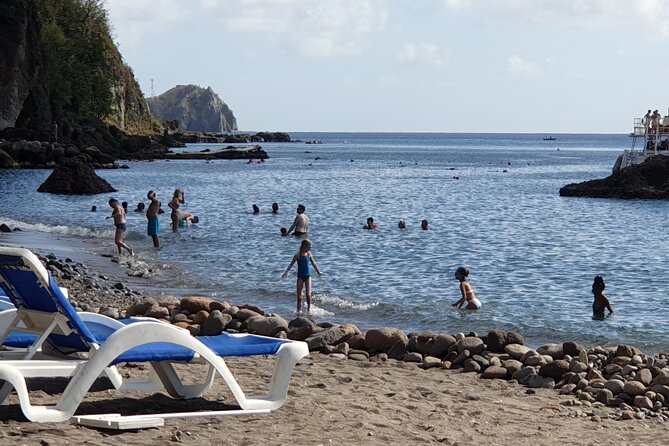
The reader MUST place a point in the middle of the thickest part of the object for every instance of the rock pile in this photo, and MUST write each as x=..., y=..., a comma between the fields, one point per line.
x=40, y=155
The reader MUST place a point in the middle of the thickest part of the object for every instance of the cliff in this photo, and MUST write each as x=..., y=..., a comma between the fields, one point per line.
x=195, y=108
x=58, y=63
x=649, y=180
x=20, y=58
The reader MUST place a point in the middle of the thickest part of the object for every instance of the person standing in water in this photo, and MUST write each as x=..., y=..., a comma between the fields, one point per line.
x=303, y=257
x=468, y=299
x=177, y=200
x=153, y=226
x=118, y=214
x=300, y=225
x=601, y=302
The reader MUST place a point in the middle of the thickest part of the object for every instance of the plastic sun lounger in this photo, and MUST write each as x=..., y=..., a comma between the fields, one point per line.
x=43, y=310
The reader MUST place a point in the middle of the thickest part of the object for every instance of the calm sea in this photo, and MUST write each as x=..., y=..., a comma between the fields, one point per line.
x=493, y=206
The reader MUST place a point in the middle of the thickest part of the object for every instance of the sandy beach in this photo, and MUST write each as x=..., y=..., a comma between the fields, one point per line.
x=337, y=402
x=340, y=402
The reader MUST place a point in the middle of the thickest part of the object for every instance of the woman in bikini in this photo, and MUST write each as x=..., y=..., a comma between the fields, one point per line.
x=177, y=200
x=468, y=299
x=303, y=257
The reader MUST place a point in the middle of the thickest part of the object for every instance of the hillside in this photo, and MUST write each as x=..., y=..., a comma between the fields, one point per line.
x=60, y=65
x=195, y=108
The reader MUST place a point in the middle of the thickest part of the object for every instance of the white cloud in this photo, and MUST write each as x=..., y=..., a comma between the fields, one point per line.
x=423, y=53
x=132, y=19
x=457, y=4
x=317, y=29
x=644, y=14
x=517, y=67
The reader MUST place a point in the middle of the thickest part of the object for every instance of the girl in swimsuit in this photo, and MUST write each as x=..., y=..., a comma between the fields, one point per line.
x=468, y=299
x=601, y=302
x=303, y=257
x=177, y=200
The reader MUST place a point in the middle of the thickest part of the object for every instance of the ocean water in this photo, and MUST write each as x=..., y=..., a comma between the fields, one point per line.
x=493, y=206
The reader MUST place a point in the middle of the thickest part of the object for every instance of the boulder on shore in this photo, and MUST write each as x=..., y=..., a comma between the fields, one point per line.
x=75, y=177
x=648, y=180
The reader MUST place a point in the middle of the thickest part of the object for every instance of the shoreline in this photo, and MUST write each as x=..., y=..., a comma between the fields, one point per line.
x=365, y=402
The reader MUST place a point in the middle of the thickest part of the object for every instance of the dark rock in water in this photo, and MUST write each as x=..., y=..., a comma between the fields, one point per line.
x=649, y=180
x=74, y=177
x=5, y=228
x=229, y=153
x=6, y=161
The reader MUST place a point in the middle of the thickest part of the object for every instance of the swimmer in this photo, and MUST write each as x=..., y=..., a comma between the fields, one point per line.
x=370, y=224
x=275, y=208
x=256, y=209
x=186, y=219
x=94, y=209
x=177, y=200
x=303, y=257
x=153, y=225
x=601, y=302
x=300, y=225
x=140, y=207
x=402, y=224
x=424, y=225
x=284, y=232
x=468, y=299
x=118, y=214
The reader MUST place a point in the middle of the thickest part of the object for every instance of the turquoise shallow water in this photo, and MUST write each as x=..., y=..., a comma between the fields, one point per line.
x=492, y=202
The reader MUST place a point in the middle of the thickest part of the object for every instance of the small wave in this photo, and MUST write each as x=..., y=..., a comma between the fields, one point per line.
x=59, y=229
x=338, y=302
x=320, y=312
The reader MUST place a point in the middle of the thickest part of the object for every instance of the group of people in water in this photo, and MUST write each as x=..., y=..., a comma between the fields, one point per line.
x=178, y=218
x=303, y=257
x=468, y=299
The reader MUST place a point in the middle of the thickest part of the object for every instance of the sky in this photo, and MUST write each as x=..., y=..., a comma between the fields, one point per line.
x=530, y=66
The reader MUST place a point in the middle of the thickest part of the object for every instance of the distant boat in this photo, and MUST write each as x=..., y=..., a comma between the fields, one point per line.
x=549, y=138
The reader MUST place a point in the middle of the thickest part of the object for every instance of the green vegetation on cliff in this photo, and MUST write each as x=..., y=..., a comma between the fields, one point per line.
x=75, y=42
x=83, y=71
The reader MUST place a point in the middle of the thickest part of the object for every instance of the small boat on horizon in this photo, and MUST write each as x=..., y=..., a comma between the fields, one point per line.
x=549, y=138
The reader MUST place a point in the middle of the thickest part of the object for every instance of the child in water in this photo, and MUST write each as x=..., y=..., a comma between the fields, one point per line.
x=468, y=298
x=601, y=302
x=303, y=257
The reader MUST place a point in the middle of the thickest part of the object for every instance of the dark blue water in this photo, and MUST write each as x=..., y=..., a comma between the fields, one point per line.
x=493, y=206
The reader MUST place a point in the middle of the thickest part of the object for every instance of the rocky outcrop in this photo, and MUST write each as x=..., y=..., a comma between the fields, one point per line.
x=237, y=138
x=195, y=108
x=75, y=177
x=229, y=153
x=130, y=111
x=20, y=57
x=649, y=180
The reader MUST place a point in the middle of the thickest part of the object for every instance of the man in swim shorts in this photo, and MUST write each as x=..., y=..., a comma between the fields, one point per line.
x=153, y=226
x=300, y=225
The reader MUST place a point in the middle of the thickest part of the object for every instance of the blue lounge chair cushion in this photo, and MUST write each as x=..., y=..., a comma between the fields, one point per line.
x=223, y=345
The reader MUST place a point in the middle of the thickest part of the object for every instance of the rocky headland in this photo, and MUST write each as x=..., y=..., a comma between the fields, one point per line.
x=195, y=109
x=648, y=180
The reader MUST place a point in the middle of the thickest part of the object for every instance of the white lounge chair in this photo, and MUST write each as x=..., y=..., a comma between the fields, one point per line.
x=42, y=310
